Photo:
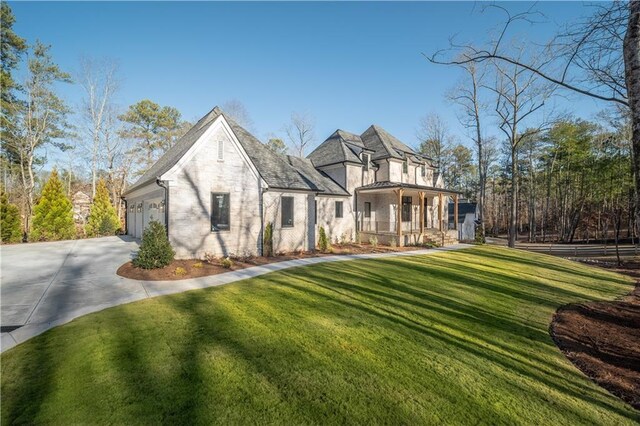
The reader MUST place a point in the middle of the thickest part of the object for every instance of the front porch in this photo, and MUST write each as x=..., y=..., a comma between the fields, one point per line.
x=405, y=214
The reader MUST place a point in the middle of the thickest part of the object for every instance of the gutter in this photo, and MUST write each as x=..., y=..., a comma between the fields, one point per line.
x=164, y=184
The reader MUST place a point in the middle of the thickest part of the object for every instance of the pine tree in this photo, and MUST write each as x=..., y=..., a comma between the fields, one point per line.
x=155, y=250
x=10, y=227
x=103, y=219
x=53, y=215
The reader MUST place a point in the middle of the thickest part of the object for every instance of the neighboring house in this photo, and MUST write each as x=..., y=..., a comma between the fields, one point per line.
x=467, y=216
x=219, y=186
x=81, y=202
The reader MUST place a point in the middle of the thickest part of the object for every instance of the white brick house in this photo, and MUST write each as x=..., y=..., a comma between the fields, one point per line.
x=218, y=187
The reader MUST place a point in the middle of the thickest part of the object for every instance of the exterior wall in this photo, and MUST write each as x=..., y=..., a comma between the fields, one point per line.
x=299, y=237
x=336, y=228
x=190, y=202
x=383, y=171
x=395, y=171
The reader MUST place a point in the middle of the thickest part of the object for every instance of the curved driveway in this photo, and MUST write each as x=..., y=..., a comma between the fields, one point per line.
x=43, y=285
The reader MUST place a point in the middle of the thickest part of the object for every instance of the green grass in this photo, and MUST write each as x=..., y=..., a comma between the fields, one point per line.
x=456, y=338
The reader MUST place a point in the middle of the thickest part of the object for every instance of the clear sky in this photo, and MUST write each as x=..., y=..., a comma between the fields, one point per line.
x=347, y=64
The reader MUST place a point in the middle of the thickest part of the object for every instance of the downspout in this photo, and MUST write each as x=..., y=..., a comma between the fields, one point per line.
x=163, y=184
x=126, y=215
x=261, y=192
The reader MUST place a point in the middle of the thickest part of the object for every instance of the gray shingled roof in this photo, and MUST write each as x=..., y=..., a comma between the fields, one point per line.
x=273, y=168
x=335, y=150
x=384, y=144
x=305, y=167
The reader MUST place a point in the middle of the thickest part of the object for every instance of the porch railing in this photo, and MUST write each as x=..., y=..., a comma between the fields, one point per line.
x=387, y=226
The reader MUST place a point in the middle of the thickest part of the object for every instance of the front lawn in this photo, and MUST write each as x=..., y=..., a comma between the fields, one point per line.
x=457, y=337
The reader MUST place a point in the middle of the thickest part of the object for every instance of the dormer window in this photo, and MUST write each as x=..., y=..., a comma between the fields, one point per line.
x=423, y=170
x=405, y=167
x=366, y=159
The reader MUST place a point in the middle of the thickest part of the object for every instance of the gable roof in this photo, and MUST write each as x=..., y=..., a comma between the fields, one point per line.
x=385, y=144
x=272, y=167
x=305, y=167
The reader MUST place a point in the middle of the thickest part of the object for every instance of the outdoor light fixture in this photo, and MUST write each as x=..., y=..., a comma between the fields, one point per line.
x=139, y=207
x=161, y=206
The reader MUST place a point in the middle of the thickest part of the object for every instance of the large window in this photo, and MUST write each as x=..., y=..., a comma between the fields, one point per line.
x=219, y=211
x=338, y=209
x=366, y=159
x=287, y=212
x=367, y=209
x=423, y=170
x=405, y=167
x=406, y=209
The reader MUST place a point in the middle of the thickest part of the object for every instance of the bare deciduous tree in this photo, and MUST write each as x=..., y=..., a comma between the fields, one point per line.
x=435, y=141
x=300, y=132
x=467, y=96
x=239, y=113
x=518, y=95
x=99, y=80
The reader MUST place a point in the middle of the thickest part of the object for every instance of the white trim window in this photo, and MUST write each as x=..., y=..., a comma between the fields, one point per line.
x=287, y=212
x=220, y=211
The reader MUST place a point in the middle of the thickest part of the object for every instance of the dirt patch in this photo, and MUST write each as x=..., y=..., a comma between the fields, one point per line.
x=602, y=339
x=194, y=268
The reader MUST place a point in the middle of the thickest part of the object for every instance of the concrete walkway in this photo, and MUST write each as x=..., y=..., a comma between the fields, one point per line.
x=48, y=284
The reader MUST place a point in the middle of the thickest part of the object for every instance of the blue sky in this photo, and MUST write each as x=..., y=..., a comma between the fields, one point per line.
x=347, y=64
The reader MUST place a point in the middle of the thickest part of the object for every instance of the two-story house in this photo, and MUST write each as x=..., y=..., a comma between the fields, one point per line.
x=218, y=188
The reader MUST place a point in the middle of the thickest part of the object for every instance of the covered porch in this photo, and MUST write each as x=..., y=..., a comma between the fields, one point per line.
x=405, y=214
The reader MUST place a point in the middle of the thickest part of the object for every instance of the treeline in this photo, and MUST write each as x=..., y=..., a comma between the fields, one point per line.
x=537, y=173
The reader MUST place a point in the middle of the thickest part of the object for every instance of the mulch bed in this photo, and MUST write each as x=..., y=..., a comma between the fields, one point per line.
x=203, y=268
x=602, y=339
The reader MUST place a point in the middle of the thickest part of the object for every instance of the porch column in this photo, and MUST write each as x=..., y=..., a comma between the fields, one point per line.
x=421, y=197
x=399, y=216
x=440, y=211
x=455, y=211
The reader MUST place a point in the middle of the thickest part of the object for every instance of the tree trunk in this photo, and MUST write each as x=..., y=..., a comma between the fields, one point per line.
x=513, y=226
x=631, y=51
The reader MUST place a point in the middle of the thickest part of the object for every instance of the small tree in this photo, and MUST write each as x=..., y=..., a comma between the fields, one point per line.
x=10, y=227
x=53, y=215
x=102, y=219
x=323, y=242
x=155, y=250
x=268, y=240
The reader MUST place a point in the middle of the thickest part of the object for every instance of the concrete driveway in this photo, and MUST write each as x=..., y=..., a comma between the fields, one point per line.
x=42, y=284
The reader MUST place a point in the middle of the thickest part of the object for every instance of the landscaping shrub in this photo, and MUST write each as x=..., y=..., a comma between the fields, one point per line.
x=103, y=219
x=323, y=242
x=226, y=263
x=479, y=237
x=10, y=228
x=180, y=271
x=373, y=240
x=393, y=242
x=267, y=243
x=197, y=265
x=53, y=215
x=155, y=250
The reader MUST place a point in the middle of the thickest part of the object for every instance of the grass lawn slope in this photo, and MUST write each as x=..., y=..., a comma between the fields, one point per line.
x=457, y=338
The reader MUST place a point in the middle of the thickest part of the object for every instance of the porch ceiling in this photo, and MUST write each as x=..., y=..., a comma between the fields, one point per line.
x=387, y=186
